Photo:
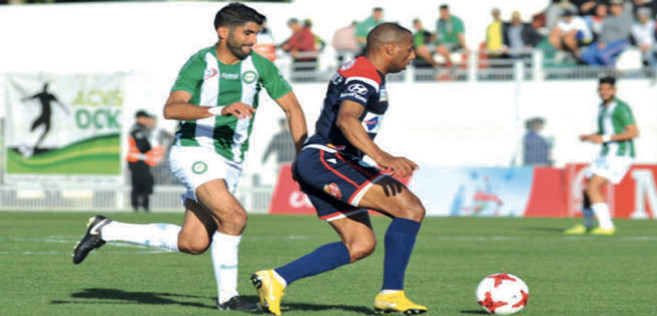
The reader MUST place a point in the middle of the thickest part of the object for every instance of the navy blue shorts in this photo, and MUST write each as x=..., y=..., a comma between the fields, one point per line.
x=334, y=183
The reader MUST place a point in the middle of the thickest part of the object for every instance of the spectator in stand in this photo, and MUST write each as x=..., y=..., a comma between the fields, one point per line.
x=423, y=42
x=585, y=7
x=555, y=11
x=643, y=33
x=450, y=34
x=535, y=147
x=594, y=22
x=265, y=44
x=494, y=36
x=281, y=146
x=519, y=37
x=651, y=4
x=570, y=34
x=613, y=38
x=344, y=42
x=301, y=46
x=364, y=27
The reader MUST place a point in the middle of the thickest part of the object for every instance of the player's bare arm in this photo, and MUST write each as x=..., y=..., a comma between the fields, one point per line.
x=631, y=132
x=295, y=119
x=348, y=122
x=178, y=107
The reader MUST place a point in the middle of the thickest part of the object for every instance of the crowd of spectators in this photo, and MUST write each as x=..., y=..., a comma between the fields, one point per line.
x=585, y=32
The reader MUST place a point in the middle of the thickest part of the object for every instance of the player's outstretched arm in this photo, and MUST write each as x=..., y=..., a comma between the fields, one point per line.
x=630, y=132
x=348, y=122
x=295, y=119
x=178, y=107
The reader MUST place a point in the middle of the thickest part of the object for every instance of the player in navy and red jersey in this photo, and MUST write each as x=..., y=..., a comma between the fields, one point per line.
x=342, y=186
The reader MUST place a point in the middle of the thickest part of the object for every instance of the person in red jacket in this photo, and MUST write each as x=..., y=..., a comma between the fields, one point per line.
x=302, y=47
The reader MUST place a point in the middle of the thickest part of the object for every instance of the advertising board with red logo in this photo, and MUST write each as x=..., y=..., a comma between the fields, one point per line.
x=500, y=191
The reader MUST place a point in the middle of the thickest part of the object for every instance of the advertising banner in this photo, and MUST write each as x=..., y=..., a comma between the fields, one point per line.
x=63, y=126
x=463, y=191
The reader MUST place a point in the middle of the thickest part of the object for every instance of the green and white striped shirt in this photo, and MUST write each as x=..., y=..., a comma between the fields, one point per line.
x=213, y=83
x=614, y=119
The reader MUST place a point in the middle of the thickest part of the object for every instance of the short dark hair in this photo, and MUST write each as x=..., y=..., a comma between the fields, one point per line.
x=443, y=7
x=377, y=9
x=237, y=14
x=608, y=79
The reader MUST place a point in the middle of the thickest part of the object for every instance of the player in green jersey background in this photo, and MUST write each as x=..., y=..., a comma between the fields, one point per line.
x=616, y=131
x=215, y=97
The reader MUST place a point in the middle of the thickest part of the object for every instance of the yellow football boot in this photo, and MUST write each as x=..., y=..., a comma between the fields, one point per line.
x=603, y=231
x=397, y=302
x=578, y=229
x=269, y=289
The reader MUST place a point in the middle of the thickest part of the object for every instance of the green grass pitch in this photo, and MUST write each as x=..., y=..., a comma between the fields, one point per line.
x=584, y=275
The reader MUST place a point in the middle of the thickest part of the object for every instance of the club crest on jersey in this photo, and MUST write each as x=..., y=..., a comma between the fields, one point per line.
x=372, y=122
x=209, y=73
x=333, y=190
x=249, y=76
x=358, y=88
x=199, y=167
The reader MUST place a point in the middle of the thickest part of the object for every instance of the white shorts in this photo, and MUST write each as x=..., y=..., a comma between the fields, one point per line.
x=612, y=168
x=194, y=166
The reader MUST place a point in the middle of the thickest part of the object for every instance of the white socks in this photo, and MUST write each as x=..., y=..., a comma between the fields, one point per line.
x=152, y=235
x=224, y=260
x=604, y=217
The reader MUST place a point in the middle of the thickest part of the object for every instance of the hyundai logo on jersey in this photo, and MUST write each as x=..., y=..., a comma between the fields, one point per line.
x=358, y=88
x=372, y=122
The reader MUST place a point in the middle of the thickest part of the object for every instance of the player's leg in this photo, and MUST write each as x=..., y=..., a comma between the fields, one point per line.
x=587, y=216
x=600, y=208
x=230, y=217
x=357, y=242
x=195, y=231
x=392, y=198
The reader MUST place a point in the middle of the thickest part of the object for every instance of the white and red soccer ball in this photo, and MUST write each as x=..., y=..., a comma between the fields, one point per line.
x=502, y=294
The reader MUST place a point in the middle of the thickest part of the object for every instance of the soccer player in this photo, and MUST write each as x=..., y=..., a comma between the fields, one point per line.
x=215, y=96
x=616, y=131
x=342, y=186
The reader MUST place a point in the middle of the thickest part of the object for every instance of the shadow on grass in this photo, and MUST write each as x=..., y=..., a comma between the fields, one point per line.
x=474, y=312
x=318, y=307
x=544, y=229
x=113, y=296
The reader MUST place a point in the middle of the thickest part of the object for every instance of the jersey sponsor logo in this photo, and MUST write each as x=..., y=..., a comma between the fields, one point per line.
x=199, y=167
x=358, y=88
x=249, y=76
x=209, y=73
x=333, y=190
x=336, y=79
x=348, y=64
x=230, y=76
x=383, y=95
x=355, y=96
x=372, y=122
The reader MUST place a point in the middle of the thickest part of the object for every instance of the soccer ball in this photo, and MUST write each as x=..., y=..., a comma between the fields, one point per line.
x=502, y=294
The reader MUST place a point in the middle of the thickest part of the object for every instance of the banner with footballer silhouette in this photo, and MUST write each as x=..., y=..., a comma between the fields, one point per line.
x=63, y=126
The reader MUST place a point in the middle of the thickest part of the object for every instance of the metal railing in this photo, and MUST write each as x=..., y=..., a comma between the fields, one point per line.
x=538, y=65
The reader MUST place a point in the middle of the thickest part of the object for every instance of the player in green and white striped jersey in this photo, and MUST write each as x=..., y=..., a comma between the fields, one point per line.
x=216, y=98
x=616, y=131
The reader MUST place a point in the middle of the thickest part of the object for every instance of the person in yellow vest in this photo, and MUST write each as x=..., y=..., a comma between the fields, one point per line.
x=494, y=38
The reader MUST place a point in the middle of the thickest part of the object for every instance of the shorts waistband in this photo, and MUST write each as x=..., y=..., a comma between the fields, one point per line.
x=321, y=147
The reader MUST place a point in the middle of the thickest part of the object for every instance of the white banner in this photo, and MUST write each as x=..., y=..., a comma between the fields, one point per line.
x=64, y=126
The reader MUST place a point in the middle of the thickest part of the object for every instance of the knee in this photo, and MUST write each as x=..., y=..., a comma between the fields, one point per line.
x=361, y=249
x=413, y=209
x=234, y=219
x=193, y=247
